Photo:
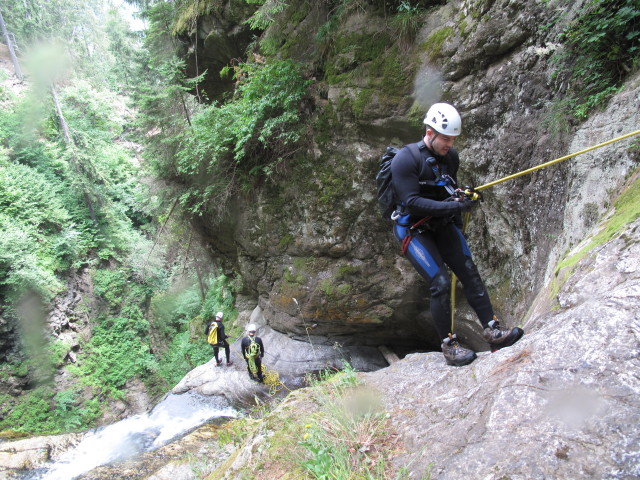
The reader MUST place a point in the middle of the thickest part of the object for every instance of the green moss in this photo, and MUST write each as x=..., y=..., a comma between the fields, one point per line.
x=353, y=50
x=344, y=106
x=293, y=278
x=335, y=184
x=394, y=79
x=627, y=210
x=362, y=100
x=327, y=287
x=293, y=35
x=462, y=28
x=325, y=124
x=285, y=241
x=189, y=12
x=432, y=46
x=345, y=271
x=299, y=263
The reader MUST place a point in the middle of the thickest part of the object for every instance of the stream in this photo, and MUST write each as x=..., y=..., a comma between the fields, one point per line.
x=172, y=418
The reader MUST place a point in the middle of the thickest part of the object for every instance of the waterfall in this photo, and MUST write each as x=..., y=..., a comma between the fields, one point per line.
x=172, y=418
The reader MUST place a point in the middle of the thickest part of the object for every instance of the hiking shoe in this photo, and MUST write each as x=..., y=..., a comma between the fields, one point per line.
x=499, y=337
x=455, y=354
x=218, y=363
x=229, y=364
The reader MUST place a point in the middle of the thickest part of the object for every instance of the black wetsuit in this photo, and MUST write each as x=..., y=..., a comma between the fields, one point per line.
x=222, y=341
x=244, y=345
x=421, y=188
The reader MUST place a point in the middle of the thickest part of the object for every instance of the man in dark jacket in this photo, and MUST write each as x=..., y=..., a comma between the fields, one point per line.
x=252, y=352
x=221, y=340
x=427, y=224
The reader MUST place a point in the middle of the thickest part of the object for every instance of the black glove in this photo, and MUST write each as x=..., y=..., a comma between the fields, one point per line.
x=466, y=205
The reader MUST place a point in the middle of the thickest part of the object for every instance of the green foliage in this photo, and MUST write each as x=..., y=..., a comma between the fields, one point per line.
x=57, y=352
x=603, y=46
x=81, y=31
x=44, y=411
x=172, y=309
x=32, y=222
x=349, y=421
x=117, y=352
x=110, y=285
x=266, y=14
x=45, y=225
x=182, y=356
x=180, y=317
x=251, y=134
x=432, y=46
x=220, y=297
x=406, y=22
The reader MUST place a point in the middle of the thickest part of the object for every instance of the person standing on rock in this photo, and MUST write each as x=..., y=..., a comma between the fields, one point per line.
x=252, y=352
x=428, y=222
x=217, y=338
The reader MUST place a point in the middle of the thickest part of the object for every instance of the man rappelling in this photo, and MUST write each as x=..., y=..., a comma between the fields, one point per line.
x=427, y=223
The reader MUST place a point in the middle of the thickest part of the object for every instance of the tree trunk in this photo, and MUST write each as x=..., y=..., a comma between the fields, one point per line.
x=63, y=122
x=69, y=142
x=12, y=53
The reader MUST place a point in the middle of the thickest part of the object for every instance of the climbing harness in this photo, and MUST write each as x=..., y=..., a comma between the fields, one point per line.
x=475, y=191
x=441, y=179
x=411, y=231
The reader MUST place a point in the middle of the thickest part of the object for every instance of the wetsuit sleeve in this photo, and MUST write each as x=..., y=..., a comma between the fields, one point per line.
x=405, y=174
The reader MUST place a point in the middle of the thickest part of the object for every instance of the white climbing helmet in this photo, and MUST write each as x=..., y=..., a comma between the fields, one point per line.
x=219, y=315
x=251, y=327
x=444, y=118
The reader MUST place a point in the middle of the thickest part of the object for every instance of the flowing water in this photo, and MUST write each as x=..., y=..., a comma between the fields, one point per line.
x=172, y=418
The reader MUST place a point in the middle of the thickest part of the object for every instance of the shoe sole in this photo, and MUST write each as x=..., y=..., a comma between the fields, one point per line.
x=510, y=341
x=463, y=362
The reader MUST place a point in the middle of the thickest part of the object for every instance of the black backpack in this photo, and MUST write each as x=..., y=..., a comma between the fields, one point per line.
x=387, y=200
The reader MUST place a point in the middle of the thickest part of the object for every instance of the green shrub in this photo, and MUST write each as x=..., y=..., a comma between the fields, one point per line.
x=41, y=410
x=250, y=135
x=117, y=352
x=183, y=355
x=406, y=22
x=111, y=285
x=603, y=47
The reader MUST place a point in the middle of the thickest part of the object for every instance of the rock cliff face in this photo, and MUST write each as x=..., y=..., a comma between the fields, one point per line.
x=312, y=249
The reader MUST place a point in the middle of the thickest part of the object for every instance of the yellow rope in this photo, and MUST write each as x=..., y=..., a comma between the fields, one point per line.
x=519, y=174
x=557, y=160
x=272, y=380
